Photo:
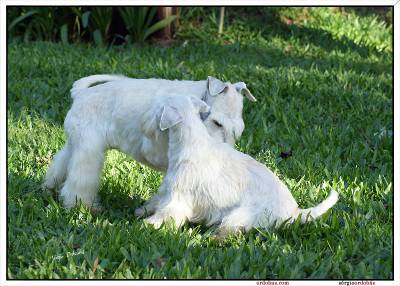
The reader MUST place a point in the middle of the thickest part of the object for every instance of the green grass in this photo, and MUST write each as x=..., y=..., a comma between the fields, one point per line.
x=322, y=93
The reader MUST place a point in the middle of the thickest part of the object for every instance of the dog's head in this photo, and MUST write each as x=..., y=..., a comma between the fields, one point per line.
x=220, y=110
x=225, y=122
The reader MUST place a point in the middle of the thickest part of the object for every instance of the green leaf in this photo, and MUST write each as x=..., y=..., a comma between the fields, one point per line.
x=85, y=19
x=28, y=32
x=159, y=25
x=64, y=33
x=97, y=37
x=142, y=16
x=150, y=16
x=125, y=253
x=21, y=18
x=234, y=269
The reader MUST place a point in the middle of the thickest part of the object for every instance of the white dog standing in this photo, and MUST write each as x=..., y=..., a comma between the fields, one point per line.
x=209, y=181
x=120, y=114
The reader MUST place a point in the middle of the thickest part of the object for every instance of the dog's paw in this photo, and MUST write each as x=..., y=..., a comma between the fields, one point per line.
x=220, y=235
x=223, y=232
x=155, y=221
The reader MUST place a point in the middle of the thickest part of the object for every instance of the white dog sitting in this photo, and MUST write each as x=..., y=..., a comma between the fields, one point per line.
x=119, y=114
x=209, y=181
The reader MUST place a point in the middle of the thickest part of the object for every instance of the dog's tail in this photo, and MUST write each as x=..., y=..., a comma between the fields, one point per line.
x=314, y=212
x=86, y=82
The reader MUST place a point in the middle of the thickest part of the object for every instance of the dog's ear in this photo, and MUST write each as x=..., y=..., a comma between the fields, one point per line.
x=242, y=88
x=170, y=116
x=215, y=86
x=202, y=107
x=199, y=104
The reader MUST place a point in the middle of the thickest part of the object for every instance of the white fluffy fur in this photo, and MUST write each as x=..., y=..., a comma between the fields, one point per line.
x=121, y=113
x=212, y=182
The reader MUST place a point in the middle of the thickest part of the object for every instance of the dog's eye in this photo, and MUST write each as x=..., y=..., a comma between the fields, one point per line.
x=217, y=123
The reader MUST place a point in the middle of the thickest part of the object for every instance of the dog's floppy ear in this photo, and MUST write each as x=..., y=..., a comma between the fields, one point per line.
x=215, y=86
x=202, y=107
x=170, y=116
x=242, y=88
x=200, y=104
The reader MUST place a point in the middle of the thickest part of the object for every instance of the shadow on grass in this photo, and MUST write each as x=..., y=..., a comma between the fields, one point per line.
x=383, y=13
x=316, y=37
x=112, y=199
x=285, y=28
x=275, y=58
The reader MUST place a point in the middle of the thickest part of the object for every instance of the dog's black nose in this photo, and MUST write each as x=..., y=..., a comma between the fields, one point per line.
x=204, y=115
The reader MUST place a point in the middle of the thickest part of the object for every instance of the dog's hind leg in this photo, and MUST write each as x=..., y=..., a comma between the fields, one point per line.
x=171, y=206
x=84, y=170
x=57, y=171
x=149, y=207
x=241, y=218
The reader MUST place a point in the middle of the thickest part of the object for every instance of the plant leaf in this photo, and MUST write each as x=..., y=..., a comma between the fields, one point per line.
x=97, y=37
x=21, y=18
x=64, y=33
x=85, y=19
x=151, y=15
x=28, y=33
x=142, y=16
x=159, y=25
x=95, y=264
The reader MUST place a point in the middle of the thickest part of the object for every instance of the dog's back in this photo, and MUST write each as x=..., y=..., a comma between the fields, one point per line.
x=152, y=86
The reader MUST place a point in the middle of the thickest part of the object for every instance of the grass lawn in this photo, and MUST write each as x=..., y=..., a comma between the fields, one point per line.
x=324, y=90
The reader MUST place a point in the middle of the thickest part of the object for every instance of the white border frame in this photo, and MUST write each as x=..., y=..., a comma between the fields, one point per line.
x=3, y=112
